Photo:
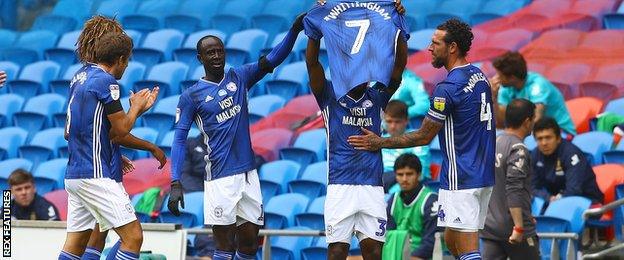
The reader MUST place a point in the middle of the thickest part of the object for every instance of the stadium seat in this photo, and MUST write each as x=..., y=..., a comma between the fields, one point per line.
x=567, y=76
x=289, y=247
x=594, y=144
x=298, y=47
x=136, y=36
x=165, y=75
x=619, y=212
x=232, y=16
x=78, y=9
x=61, y=86
x=571, y=209
x=188, y=53
x=10, y=165
x=419, y=40
x=530, y=142
x=149, y=15
x=615, y=106
x=281, y=210
x=58, y=198
x=145, y=133
x=606, y=84
x=276, y=16
x=313, y=216
x=11, y=69
x=191, y=215
x=29, y=47
x=244, y=46
x=37, y=112
x=157, y=47
x=146, y=175
x=43, y=146
x=434, y=19
x=264, y=105
x=607, y=177
x=435, y=151
x=54, y=23
x=601, y=41
x=64, y=53
x=50, y=175
x=537, y=205
x=613, y=21
x=7, y=37
x=275, y=175
x=582, y=110
x=309, y=147
x=34, y=79
x=117, y=8
x=290, y=81
x=546, y=224
x=318, y=250
x=9, y=104
x=162, y=116
x=166, y=142
x=554, y=41
x=192, y=15
x=313, y=181
x=500, y=42
x=10, y=139
x=267, y=142
x=134, y=72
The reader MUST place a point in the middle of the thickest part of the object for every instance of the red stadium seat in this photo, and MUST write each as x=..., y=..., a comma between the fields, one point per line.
x=582, y=110
x=58, y=198
x=567, y=77
x=555, y=41
x=147, y=175
x=602, y=41
x=430, y=75
x=268, y=142
x=501, y=42
x=303, y=105
x=607, y=177
x=607, y=84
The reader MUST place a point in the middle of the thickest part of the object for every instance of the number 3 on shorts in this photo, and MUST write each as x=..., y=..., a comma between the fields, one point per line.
x=382, y=227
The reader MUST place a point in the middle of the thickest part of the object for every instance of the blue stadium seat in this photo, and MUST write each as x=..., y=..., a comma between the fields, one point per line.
x=232, y=16
x=192, y=15
x=136, y=36
x=117, y=8
x=43, y=146
x=55, y=23
x=451, y=7
x=8, y=166
x=309, y=147
x=9, y=104
x=125, y=103
x=618, y=213
x=594, y=144
x=318, y=250
x=157, y=47
x=145, y=133
x=298, y=47
x=435, y=19
x=34, y=79
x=615, y=106
x=435, y=151
x=10, y=139
x=77, y=9
x=61, y=86
x=613, y=21
x=547, y=224
x=191, y=215
x=166, y=142
x=38, y=111
x=570, y=209
x=50, y=175
x=530, y=142
x=64, y=54
x=281, y=210
x=290, y=81
x=276, y=16
x=419, y=40
x=165, y=75
x=244, y=46
x=134, y=72
x=289, y=247
x=275, y=175
x=29, y=47
x=262, y=106
x=313, y=216
x=10, y=68
x=188, y=53
x=537, y=205
x=501, y=7
x=162, y=116
x=149, y=16
x=478, y=18
x=313, y=181
x=7, y=37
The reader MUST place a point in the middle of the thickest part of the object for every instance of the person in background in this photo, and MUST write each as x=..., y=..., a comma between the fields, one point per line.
x=412, y=92
x=26, y=203
x=414, y=209
x=561, y=168
x=194, y=166
x=395, y=123
x=509, y=229
x=517, y=82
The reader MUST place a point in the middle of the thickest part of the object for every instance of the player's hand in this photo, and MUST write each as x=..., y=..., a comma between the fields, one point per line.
x=126, y=165
x=369, y=141
x=495, y=84
x=298, y=24
x=159, y=155
x=3, y=77
x=151, y=98
x=139, y=99
x=321, y=2
x=515, y=238
x=399, y=7
x=175, y=195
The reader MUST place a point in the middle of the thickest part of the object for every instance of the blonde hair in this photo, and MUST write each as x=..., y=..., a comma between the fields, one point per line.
x=92, y=31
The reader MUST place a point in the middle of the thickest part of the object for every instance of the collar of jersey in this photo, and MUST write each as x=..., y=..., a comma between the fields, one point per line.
x=460, y=66
x=212, y=82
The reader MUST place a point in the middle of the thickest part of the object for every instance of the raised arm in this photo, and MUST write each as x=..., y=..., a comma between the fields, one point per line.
x=122, y=123
x=316, y=74
x=400, y=61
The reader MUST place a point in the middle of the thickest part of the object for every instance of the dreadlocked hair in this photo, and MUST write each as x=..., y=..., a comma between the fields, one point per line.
x=93, y=30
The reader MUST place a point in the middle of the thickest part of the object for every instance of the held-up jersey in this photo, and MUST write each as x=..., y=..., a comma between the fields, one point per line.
x=361, y=40
x=90, y=148
x=463, y=103
x=219, y=109
x=343, y=118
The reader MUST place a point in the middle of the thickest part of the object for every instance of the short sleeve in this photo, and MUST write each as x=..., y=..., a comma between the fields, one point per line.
x=311, y=24
x=382, y=97
x=504, y=96
x=106, y=90
x=185, y=112
x=323, y=98
x=538, y=93
x=440, y=104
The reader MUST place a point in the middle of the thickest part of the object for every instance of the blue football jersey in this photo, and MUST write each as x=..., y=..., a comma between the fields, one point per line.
x=90, y=148
x=463, y=103
x=360, y=38
x=116, y=164
x=220, y=112
x=345, y=117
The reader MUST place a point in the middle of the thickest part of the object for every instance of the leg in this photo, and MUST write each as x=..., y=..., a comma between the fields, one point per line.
x=224, y=238
x=493, y=250
x=95, y=244
x=449, y=240
x=371, y=249
x=337, y=251
x=76, y=242
x=247, y=238
x=80, y=222
x=131, y=236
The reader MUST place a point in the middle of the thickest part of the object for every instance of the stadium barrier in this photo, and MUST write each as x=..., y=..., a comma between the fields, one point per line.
x=619, y=248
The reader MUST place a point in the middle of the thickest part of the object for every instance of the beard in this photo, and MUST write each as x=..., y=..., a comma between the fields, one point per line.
x=437, y=62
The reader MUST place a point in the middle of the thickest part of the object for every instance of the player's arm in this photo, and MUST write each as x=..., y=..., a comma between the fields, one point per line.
x=184, y=119
x=316, y=74
x=133, y=142
x=498, y=108
x=539, y=111
x=517, y=172
x=372, y=142
x=400, y=61
x=430, y=226
x=122, y=123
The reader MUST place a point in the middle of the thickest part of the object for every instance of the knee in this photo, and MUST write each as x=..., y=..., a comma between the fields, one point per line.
x=337, y=251
x=135, y=239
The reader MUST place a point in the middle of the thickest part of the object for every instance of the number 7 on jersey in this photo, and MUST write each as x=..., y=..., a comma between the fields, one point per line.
x=359, y=39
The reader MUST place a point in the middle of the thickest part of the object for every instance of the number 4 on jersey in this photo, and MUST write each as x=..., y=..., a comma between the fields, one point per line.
x=359, y=39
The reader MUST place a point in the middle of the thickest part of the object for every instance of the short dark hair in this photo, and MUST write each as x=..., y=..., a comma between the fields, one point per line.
x=511, y=64
x=396, y=109
x=112, y=46
x=408, y=160
x=517, y=111
x=458, y=32
x=19, y=177
x=207, y=37
x=546, y=123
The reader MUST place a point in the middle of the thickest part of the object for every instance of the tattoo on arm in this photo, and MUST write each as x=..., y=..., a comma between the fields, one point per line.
x=422, y=136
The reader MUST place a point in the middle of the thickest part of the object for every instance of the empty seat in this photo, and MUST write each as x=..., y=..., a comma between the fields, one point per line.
x=314, y=215
x=10, y=165
x=43, y=146
x=299, y=46
x=165, y=75
x=162, y=116
x=594, y=144
x=58, y=198
x=9, y=104
x=192, y=15
x=264, y=105
x=267, y=142
x=146, y=175
x=55, y=23
x=309, y=147
x=582, y=110
x=7, y=37
x=275, y=175
x=50, y=175
x=10, y=139
x=134, y=72
x=567, y=77
x=38, y=111
x=313, y=181
x=232, y=16
x=11, y=69
x=158, y=47
x=419, y=40
x=61, y=86
x=117, y=8
x=78, y=9
x=281, y=210
x=244, y=46
x=34, y=79
x=613, y=21
x=29, y=47
x=191, y=215
x=615, y=106
x=149, y=15
x=290, y=81
x=64, y=53
x=501, y=42
x=606, y=84
x=289, y=247
x=145, y=133
x=276, y=16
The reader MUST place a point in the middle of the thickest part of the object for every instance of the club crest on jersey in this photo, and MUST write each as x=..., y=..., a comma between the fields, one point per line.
x=231, y=86
x=222, y=92
x=114, y=90
x=439, y=103
x=177, y=116
x=367, y=103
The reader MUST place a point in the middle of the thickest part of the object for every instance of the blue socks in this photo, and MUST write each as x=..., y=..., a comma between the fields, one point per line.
x=91, y=253
x=123, y=255
x=475, y=255
x=67, y=256
x=241, y=256
x=222, y=255
x=113, y=251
